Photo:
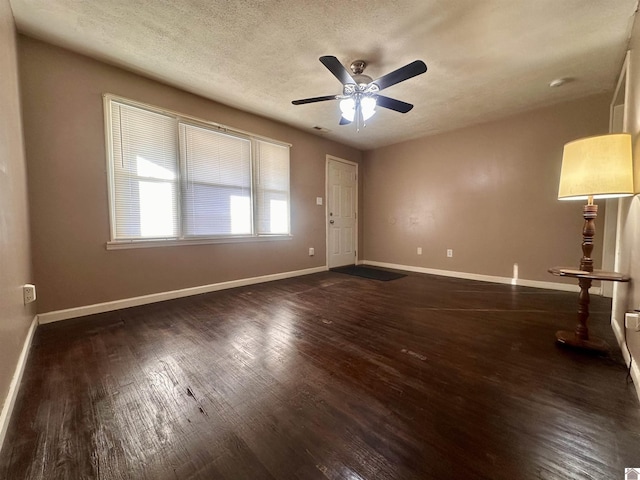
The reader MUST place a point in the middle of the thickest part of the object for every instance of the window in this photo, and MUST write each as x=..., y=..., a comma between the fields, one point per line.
x=175, y=178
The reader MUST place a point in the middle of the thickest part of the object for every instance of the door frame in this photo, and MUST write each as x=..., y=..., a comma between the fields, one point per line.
x=326, y=206
x=612, y=221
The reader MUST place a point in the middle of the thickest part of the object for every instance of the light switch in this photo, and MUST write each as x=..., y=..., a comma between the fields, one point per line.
x=318, y=200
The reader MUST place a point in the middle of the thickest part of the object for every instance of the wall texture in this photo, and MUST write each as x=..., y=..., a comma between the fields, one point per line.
x=489, y=192
x=627, y=296
x=65, y=147
x=15, y=260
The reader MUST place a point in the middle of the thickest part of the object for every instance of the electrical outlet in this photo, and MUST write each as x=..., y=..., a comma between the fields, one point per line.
x=29, y=293
x=449, y=252
x=632, y=321
x=312, y=251
x=419, y=250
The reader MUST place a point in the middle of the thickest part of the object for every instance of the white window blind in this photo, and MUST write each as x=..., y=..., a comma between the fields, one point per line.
x=272, y=188
x=217, y=198
x=176, y=178
x=145, y=173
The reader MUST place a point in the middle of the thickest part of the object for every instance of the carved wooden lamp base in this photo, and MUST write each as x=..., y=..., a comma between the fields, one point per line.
x=570, y=339
x=580, y=337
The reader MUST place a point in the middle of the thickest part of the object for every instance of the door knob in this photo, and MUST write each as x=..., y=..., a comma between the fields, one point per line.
x=331, y=221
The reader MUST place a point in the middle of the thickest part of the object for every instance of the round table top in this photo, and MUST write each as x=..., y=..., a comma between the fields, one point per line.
x=595, y=275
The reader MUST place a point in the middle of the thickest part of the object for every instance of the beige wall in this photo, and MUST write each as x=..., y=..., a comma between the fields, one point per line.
x=15, y=261
x=627, y=296
x=64, y=136
x=489, y=192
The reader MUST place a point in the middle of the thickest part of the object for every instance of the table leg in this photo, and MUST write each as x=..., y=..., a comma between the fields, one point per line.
x=580, y=337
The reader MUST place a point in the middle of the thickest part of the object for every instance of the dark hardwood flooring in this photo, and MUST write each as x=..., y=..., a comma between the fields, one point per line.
x=327, y=376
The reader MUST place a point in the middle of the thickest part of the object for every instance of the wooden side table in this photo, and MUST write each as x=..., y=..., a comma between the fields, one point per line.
x=580, y=337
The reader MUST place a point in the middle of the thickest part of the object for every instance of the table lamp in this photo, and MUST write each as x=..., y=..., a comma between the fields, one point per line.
x=592, y=168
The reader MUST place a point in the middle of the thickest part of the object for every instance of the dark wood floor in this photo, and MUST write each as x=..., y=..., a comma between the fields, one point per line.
x=327, y=376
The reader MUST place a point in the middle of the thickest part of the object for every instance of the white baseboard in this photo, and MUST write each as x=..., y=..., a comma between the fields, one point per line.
x=68, y=313
x=75, y=312
x=635, y=369
x=14, y=386
x=565, y=287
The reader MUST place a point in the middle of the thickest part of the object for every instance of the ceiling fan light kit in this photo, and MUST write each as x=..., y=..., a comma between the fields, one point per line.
x=360, y=93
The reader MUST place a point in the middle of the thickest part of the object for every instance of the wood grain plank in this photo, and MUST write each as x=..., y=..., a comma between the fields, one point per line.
x=326, y=377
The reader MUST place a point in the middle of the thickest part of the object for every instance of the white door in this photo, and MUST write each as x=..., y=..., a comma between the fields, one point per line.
x=342, y=194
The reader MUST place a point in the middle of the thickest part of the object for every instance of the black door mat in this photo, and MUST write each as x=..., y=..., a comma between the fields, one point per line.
x=367, y=272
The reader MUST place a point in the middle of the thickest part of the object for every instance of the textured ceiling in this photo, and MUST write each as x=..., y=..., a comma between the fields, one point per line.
x=486, y=58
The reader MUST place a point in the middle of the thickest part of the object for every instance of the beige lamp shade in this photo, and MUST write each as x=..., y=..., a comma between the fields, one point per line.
x=601, y=167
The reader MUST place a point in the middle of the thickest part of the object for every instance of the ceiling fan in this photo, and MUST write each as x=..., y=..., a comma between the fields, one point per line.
x=360, y=92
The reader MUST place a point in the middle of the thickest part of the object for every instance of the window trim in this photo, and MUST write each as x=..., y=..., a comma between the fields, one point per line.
x=119, y=244
x=173, y=242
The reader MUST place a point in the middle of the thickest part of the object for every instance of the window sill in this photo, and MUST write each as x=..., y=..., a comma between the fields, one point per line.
x=127, y=244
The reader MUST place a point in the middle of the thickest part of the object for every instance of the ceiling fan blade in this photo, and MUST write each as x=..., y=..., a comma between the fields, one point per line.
x=344, y=121
x=314, y=99
x=400, y=75
x=338, y=70
x=393, y=104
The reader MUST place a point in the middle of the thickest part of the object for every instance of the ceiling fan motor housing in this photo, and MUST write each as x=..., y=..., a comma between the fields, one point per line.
x=357, y=67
